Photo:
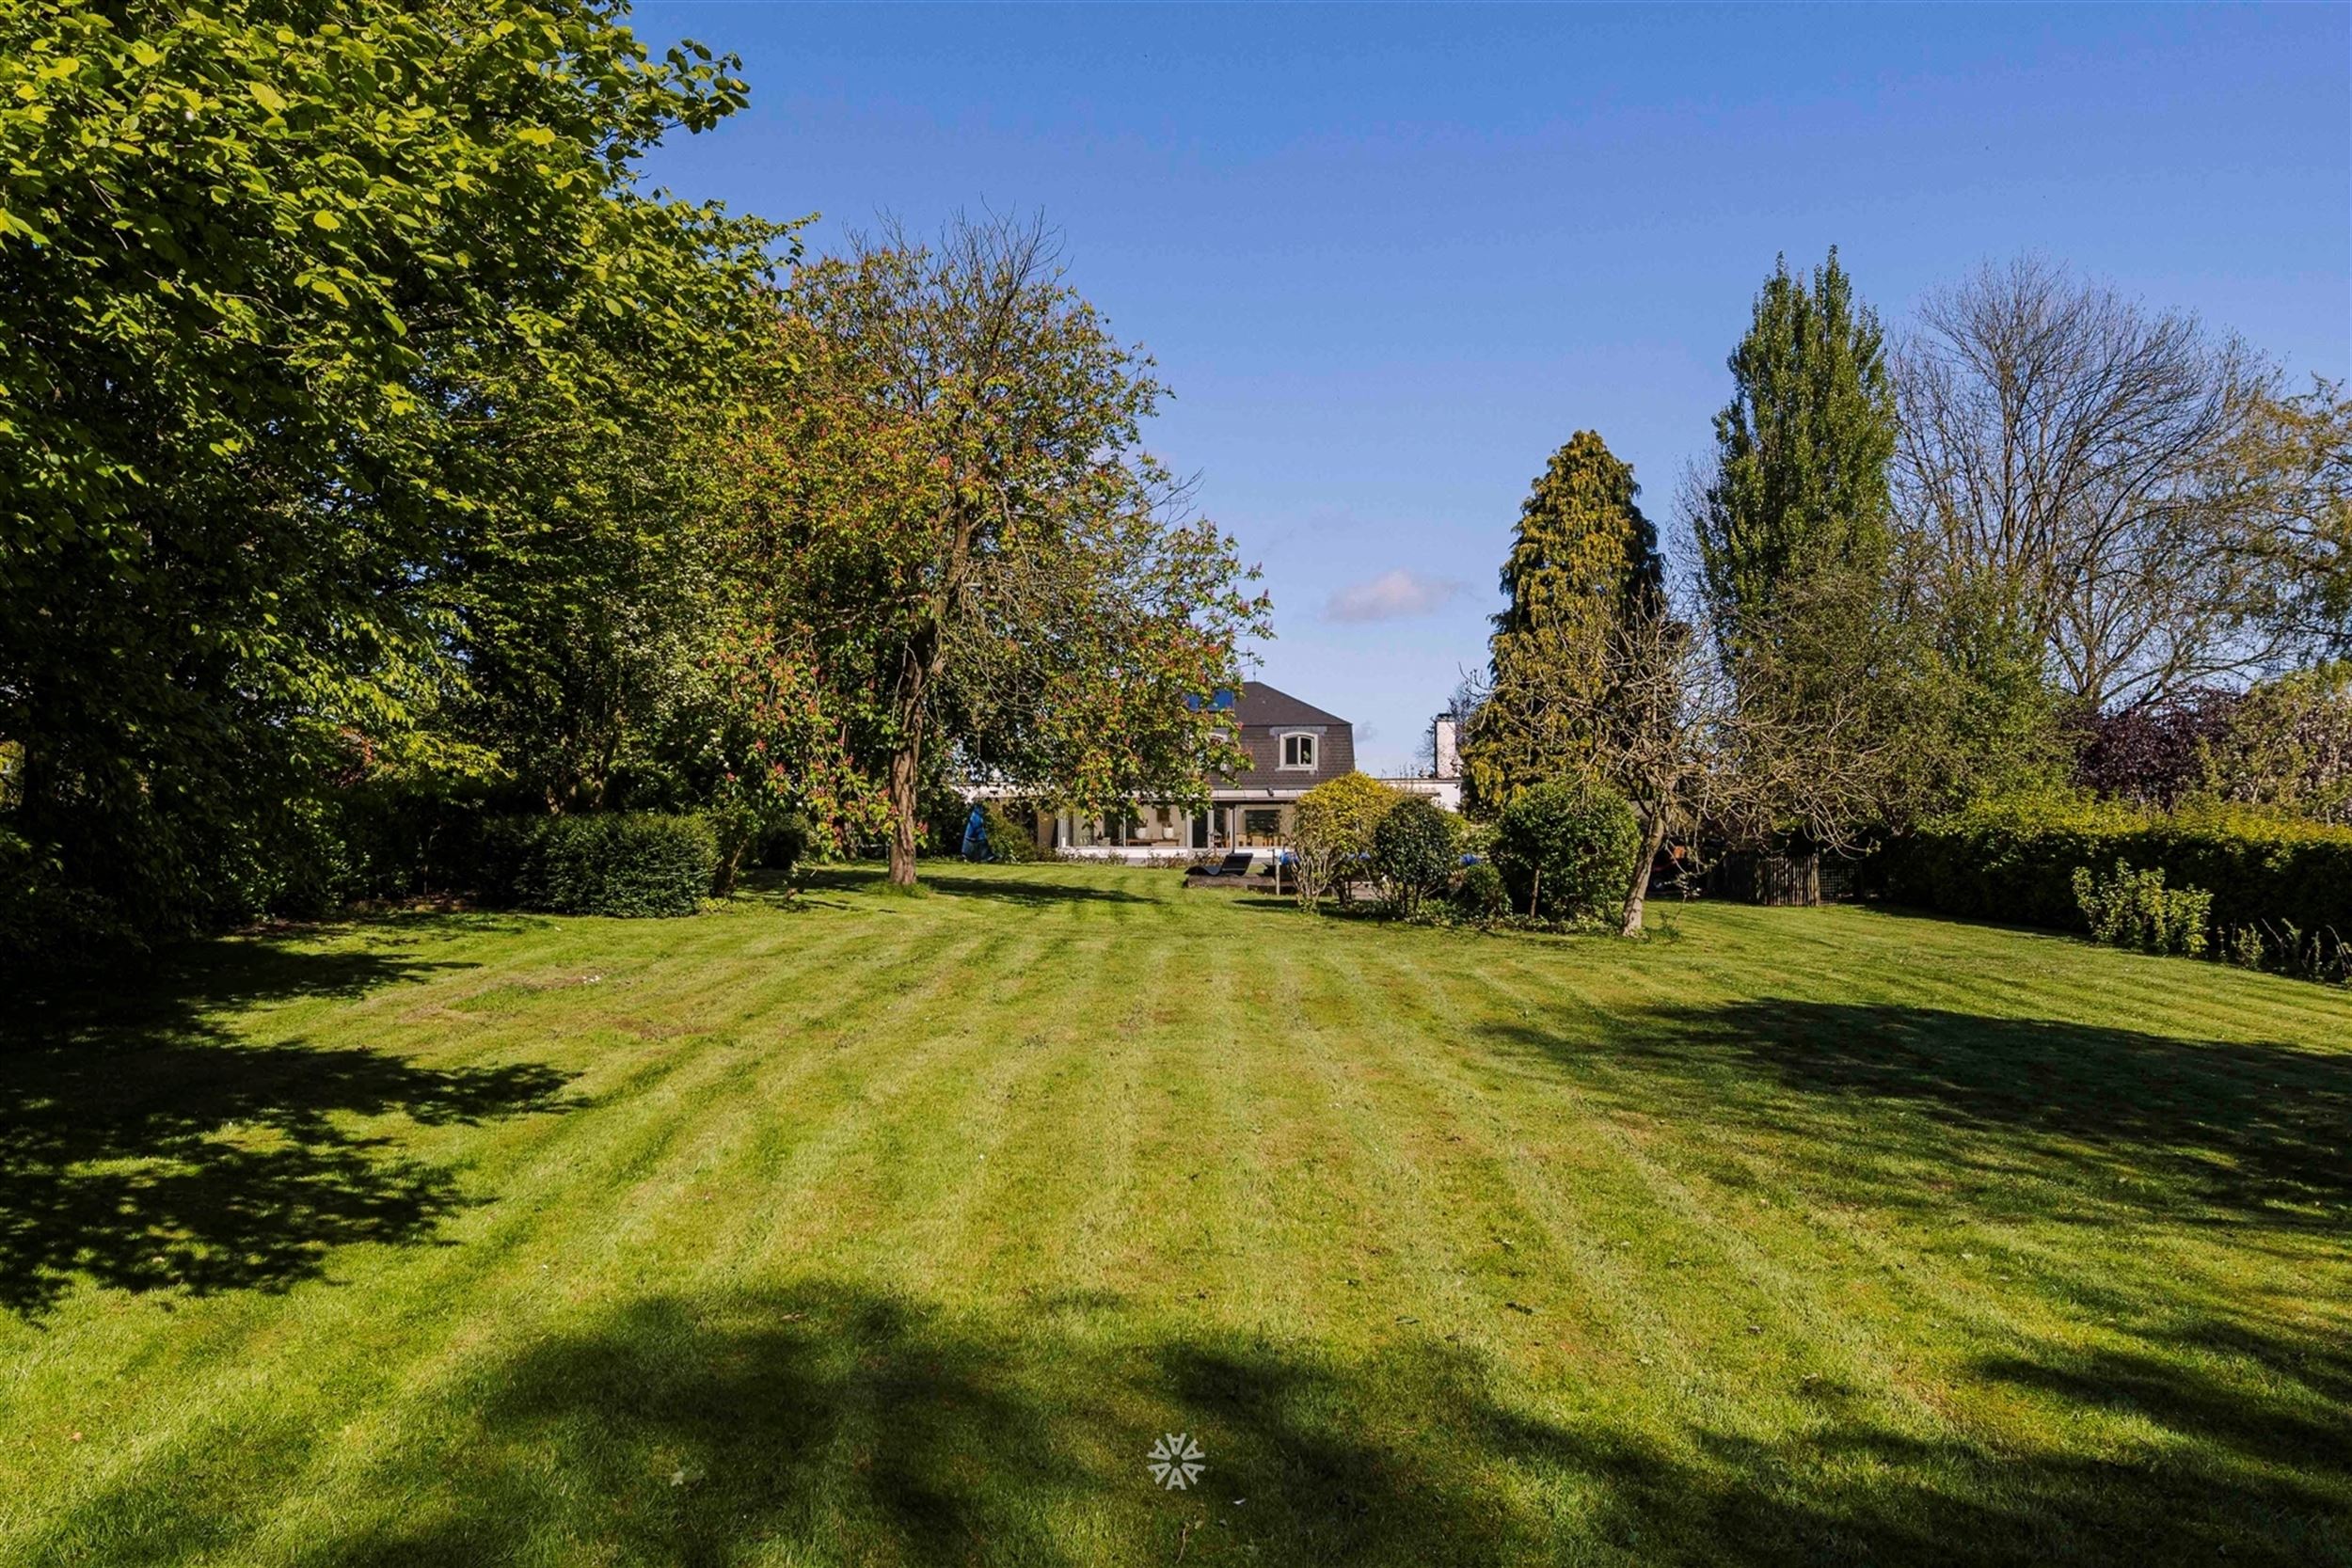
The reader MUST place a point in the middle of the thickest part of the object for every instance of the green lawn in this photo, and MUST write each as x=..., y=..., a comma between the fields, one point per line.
x=880, y=1230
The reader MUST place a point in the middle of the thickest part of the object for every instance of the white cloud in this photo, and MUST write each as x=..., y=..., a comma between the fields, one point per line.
x=1395, y=595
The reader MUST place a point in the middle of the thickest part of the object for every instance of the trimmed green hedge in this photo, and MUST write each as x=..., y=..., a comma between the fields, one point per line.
x=1566, y=849
x=618, y=862
x=2016, y=862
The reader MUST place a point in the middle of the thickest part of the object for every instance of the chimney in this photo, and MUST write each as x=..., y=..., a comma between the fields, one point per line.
x=1448, y=755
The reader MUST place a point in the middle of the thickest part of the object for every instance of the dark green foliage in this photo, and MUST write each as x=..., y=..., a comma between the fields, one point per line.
x=1802, y=448
x=2133, y=909
x=2016, y=862
x=1566, y=849
x=1415, y=850
x=786, y=843
x=1481, y=895
x=617, y=862
x=736, y=832
x=1583, y=563
x=1011, y=838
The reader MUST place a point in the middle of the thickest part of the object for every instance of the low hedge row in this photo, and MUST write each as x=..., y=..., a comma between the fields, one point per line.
x=613, y=863
x=2016, y=862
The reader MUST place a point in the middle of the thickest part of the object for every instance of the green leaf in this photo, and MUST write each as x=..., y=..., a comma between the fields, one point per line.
x=325, y=220
x=268, y=96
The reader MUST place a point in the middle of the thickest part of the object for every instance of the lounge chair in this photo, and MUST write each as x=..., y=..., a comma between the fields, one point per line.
x=1235, y=864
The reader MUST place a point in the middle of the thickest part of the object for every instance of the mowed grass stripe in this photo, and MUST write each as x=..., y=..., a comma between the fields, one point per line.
x=891, y=1230
x=1663, y=1303
x=573, y=1301
x=1730, y=1302
x=497, y=1273
x=1775, y=1248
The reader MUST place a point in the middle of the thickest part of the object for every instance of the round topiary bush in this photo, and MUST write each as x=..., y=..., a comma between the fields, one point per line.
x=1566, y=849
x=1480, y=894
x=1333, y=841
x=1414, y=850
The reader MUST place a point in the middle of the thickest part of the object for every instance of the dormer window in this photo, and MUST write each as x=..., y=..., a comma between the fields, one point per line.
x=1298, y=751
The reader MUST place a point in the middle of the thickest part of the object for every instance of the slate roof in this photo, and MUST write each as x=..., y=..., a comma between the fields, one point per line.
x=1261, y=704
x=1264, y=713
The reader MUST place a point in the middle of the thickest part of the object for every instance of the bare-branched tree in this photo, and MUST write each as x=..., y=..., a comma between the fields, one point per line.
x=2069, y=466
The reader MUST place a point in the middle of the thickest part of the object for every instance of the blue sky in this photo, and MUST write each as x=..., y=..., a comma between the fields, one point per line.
x=1389, y=259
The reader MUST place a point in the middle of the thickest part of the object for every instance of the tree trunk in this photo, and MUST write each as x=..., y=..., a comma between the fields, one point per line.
x=902, y=804
x=1638, y=894
x=923, y=660
x=906, y=772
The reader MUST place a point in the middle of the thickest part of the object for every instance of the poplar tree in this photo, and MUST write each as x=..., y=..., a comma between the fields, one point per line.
x=1802, y=450
x=1583, y=565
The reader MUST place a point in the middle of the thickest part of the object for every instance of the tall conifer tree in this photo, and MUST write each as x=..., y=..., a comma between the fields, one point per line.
x=1583, y=563
x=1802, y=448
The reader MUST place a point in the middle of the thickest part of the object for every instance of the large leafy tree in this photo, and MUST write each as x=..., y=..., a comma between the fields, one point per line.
x=1802, y=450
x=991, y=576
x=313, y=311
x=1583, y=563
x=2294, y=462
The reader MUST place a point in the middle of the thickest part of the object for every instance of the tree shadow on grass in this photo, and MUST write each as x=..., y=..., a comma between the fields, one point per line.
x=2238, y=1131
x=144, y=1148
x=1031, y=890
x=834, y=1423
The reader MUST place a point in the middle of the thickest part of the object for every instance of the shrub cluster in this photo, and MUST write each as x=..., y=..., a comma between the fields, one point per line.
x=1565, y=850
x=616, y=862
x=1333, y=841
x=2133, y=909
x=1480, y=895
x=2265, y=892
x=2152, y=754
x=1415, y=850
x=1011, y=839
x=2284, y=948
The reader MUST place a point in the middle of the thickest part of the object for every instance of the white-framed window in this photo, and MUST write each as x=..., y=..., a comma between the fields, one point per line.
x=1298, y=751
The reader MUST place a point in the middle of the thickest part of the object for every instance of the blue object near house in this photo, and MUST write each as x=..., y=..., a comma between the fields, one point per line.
x=976, y=835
